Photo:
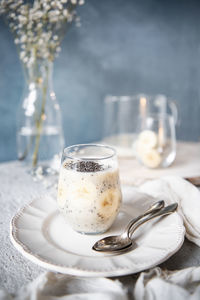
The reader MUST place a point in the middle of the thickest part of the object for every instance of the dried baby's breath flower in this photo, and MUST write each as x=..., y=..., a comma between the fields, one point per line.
x=39, y=26
x=16, y=41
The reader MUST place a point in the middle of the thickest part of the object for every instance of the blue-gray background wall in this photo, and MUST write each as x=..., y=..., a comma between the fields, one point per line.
x=123, y=47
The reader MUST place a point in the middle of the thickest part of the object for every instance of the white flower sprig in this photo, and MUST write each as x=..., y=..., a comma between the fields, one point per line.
x=39, y=27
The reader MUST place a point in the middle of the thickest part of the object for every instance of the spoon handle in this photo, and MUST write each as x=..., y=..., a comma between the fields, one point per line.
x=133, y=225
x=155, y=207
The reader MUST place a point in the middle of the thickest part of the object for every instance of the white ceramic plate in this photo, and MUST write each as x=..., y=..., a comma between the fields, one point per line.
x=40, y=233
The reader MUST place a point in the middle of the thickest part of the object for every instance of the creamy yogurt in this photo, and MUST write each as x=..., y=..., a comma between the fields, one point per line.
x=89, y=198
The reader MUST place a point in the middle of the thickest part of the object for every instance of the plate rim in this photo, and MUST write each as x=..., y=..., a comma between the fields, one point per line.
x=74, y=271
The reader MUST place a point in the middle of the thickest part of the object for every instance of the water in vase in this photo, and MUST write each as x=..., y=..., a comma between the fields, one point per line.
x=44, y=148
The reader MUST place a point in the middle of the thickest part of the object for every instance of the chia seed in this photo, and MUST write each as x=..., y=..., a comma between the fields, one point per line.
x=84, y=166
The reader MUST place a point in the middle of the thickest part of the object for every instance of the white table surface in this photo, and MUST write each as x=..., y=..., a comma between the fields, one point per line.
x=18, y=188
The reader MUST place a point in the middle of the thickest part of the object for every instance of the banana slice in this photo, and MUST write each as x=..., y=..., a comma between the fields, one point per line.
x=82, y=195
x=109, y=203
x=148, y=139
x=151, y=158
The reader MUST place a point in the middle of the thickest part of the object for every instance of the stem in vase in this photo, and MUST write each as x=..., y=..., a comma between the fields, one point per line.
x=39, y=123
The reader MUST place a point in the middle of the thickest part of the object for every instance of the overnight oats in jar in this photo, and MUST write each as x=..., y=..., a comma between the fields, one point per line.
x=89, y=193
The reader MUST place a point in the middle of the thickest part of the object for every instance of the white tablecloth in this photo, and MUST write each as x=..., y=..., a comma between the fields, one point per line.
x=18, y=188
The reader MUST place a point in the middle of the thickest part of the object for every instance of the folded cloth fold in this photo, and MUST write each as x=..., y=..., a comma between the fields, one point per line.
x=51, y=286
x=175, y=189
x=155, y=284
x=158, y=284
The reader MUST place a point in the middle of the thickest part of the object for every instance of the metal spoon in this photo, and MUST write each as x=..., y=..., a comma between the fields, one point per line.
x=155, y=207
x=123, y=241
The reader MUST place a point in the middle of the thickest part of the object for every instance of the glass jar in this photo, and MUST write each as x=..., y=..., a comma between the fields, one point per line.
x=121, y=115
x=89, y=193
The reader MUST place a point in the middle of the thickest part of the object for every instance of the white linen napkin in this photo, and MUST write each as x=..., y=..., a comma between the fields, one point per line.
x=157, y=284
x=175, y=189
x=51, y=286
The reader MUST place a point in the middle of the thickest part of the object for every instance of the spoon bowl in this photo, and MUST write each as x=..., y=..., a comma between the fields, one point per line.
x=113, y=243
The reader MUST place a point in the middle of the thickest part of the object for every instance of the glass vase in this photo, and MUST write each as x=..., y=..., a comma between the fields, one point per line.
x=40, y=139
